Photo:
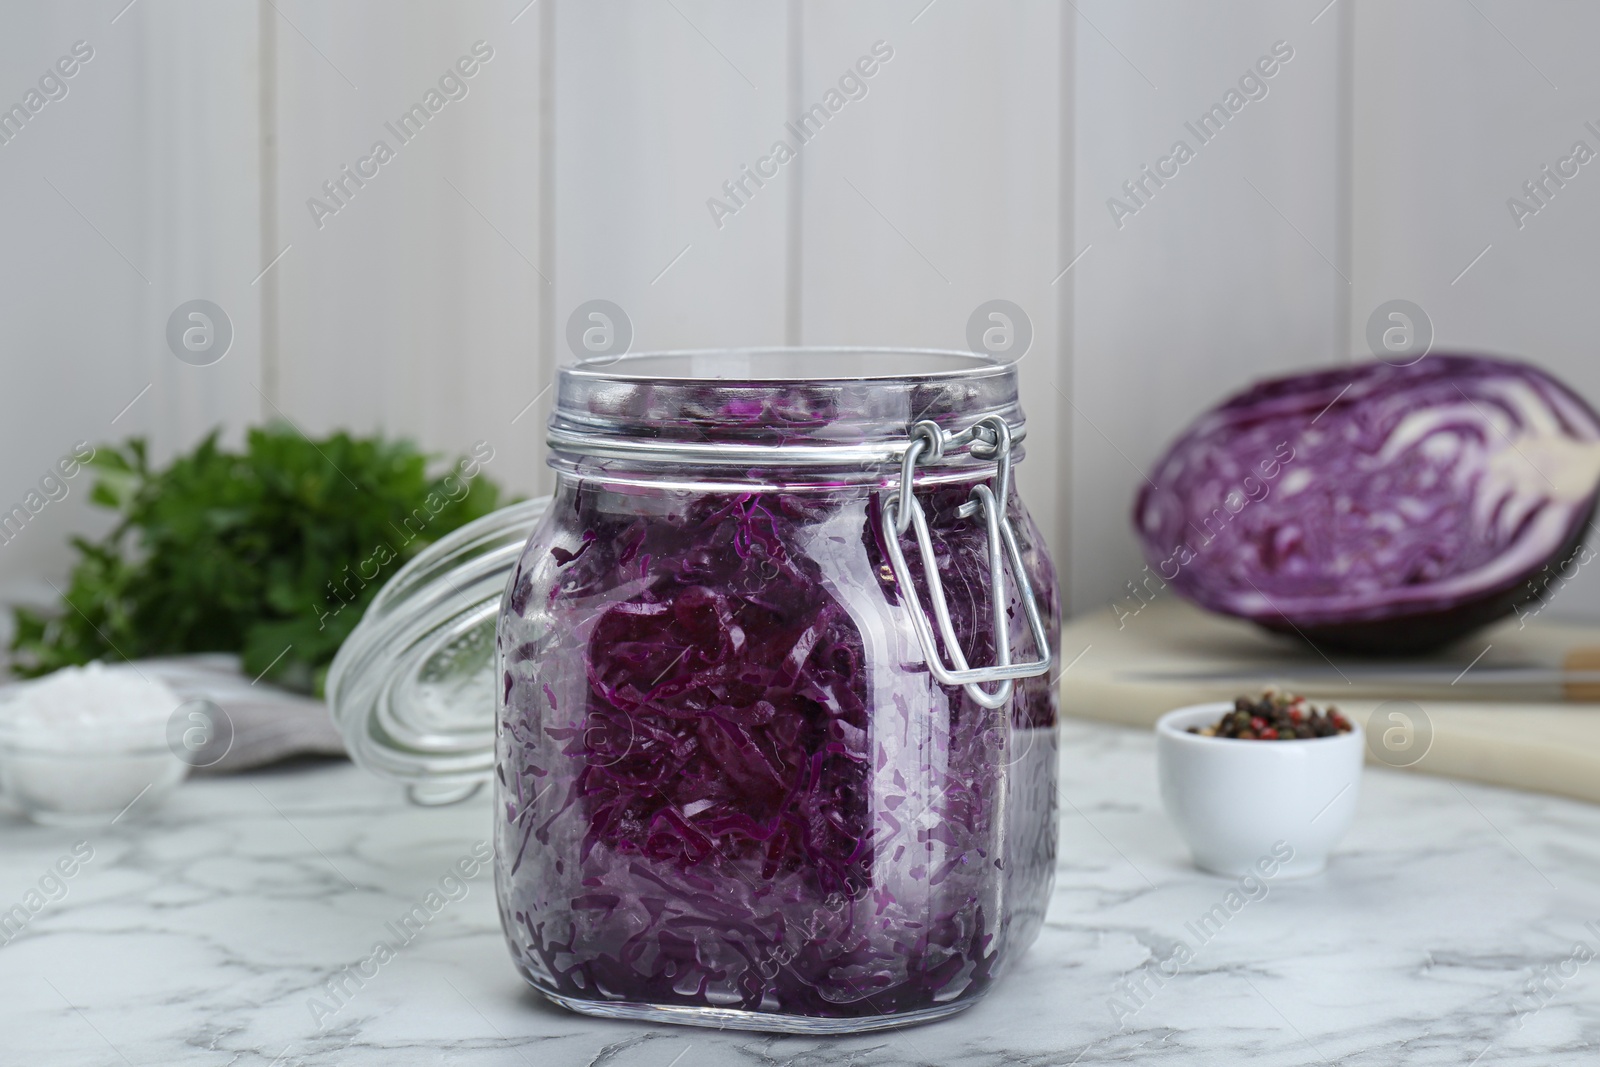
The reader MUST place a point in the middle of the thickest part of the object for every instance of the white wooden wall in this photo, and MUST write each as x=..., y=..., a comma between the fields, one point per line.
x=941, y=188
x=578, y=166
x=138, y=191
x=1230, y=271
x=415, y=309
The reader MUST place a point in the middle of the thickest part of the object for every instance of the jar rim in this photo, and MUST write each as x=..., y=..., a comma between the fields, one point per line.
x=601, y=368
x=670, y=412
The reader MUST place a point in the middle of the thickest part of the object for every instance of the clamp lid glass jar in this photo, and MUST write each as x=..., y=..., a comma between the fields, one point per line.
x=742, y=778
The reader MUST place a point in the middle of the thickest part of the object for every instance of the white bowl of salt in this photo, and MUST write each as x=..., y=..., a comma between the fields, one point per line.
x=88, y=745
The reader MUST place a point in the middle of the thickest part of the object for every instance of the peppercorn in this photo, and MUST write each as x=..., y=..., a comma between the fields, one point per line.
x=1276, y=717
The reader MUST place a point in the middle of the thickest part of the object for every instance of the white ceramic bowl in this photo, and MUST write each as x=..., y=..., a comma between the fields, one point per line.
x=1244, y=806
x=85, y=786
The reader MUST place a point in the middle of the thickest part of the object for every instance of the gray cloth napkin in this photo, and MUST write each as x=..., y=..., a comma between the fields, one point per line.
x=259, y=724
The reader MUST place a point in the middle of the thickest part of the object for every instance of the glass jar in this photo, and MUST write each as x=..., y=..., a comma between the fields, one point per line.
x=757, y=766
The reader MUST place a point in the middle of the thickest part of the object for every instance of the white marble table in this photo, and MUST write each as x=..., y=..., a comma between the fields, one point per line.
x=197, y=934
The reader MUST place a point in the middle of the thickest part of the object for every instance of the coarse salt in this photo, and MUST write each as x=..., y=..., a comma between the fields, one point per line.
x=87, y=708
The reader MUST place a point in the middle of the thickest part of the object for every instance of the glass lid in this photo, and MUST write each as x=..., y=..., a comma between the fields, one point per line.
x=412, y=688
x=792, y=407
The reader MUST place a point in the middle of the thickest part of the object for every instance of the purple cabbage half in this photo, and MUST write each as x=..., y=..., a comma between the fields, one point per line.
x=1376, y=508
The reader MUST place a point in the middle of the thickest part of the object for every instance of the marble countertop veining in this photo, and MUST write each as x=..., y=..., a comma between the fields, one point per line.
x=202, y=932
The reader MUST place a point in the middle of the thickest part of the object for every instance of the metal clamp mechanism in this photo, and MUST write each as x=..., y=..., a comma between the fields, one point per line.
x=989, y=436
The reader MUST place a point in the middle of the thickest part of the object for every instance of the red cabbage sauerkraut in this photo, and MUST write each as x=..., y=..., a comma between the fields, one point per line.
x=727, y=777
x=1375, y=507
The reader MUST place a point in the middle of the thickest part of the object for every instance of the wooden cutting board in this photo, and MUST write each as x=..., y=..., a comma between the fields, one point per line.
x=1499, y=708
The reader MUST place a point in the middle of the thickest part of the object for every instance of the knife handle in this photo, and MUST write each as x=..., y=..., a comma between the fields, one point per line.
x=1585, y=658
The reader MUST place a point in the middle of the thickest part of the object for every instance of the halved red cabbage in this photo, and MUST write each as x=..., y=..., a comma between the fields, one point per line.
x=1374, y=507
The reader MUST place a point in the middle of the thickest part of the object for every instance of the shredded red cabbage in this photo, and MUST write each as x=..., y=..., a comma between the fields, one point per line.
x=729, y=780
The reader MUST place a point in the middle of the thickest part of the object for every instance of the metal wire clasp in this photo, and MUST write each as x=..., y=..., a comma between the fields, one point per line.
x=990, y=436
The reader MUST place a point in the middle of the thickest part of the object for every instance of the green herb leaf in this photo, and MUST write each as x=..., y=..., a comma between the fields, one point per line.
x=273, y=552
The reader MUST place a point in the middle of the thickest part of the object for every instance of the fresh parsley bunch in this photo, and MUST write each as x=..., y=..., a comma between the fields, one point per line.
x=273, y=552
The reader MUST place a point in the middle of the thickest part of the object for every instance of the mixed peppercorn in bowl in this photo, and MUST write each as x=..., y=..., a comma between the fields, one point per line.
x=1275, y=717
